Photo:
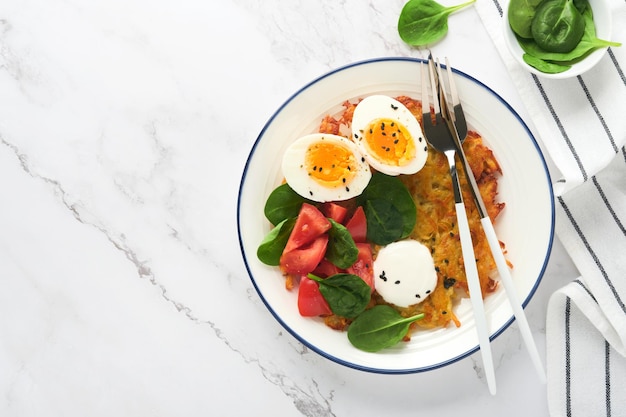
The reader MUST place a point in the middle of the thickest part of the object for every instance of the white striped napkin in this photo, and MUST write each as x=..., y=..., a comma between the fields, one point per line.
x=582, y=124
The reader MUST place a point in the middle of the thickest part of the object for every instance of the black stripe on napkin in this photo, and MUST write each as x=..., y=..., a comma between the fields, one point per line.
x=557, y=120
x=617, y=65
x=568, y=360
x=593, y=105
x=592, y=253
x=607, y=377
x=584, y=287
x=608, y=205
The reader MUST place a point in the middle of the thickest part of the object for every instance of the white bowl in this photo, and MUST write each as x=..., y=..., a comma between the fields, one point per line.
x=526, y=224
x=602, y=17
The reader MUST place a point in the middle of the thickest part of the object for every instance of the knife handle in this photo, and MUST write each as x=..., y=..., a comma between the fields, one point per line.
x=511, y=292
x=476, y=295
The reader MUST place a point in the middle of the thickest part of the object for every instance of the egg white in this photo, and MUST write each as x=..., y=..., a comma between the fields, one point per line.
x=380, y=106
x=295, y=171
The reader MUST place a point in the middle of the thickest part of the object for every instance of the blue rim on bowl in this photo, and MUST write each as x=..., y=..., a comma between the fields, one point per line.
x=525, y=187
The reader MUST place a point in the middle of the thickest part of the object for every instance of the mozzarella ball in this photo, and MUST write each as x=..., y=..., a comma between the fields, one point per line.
x=404, y=272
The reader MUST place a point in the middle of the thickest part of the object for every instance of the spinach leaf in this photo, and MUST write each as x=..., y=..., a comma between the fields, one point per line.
x=379, y=327
x=389, y=209
x=520, y=15
x=384, y=221
x=557, y=26
x=272, y=246
x=283, y=203
x=588, y=43
x=423, y=22
x=347, y=294
x=544, y=66
x=341, y=250
x=581, y=5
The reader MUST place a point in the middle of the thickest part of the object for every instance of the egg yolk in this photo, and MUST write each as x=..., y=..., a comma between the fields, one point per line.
x=390, y=142
x=329, y=164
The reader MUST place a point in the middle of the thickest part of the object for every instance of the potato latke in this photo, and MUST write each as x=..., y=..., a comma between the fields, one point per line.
x=436, y=226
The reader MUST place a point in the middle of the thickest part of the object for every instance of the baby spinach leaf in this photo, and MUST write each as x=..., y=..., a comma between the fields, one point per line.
x=283, y=203
x=379, y=327
x=272, y=246
x=384, y=221
x=423, y=22
x=557, y=25
x=588, y=43
x=520, y=15
x=544, y=66
x=389, y=209
x=347, y=294
x=342, y=250
x=581, y=5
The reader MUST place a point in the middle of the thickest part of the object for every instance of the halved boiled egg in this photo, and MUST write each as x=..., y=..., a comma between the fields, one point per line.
x=324, y=167
x=389, y=136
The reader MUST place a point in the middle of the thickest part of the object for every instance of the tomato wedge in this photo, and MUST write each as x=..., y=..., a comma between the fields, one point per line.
x=364, y=265
x=357, y=225
x=334, y=211
x=305, y=259
x=326, y=269
x=311, y=303
x=310, y=224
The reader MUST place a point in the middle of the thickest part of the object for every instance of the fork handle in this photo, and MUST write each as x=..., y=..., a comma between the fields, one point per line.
x=511, y=292
x=476, y=296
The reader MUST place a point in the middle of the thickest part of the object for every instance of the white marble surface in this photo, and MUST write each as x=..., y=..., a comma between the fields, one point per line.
x=124, y=129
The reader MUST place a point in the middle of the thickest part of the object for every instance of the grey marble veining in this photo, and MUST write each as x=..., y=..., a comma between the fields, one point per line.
x=124, y=129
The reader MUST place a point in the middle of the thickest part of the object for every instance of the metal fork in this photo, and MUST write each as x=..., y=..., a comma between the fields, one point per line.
x=439, y=137
x=459, y=132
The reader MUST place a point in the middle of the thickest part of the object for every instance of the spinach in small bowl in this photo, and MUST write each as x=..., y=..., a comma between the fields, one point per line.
x=556, y=37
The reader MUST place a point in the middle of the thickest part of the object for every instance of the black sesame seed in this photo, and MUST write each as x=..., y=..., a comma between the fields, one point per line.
x=427, y=291
x=448, y=282
x=417, y=296
x=425, y=149
x=397, y=282
x=444, y=312
x=394, y=107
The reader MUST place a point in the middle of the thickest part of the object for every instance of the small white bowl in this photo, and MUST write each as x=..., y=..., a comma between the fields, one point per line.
x=602, y=17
